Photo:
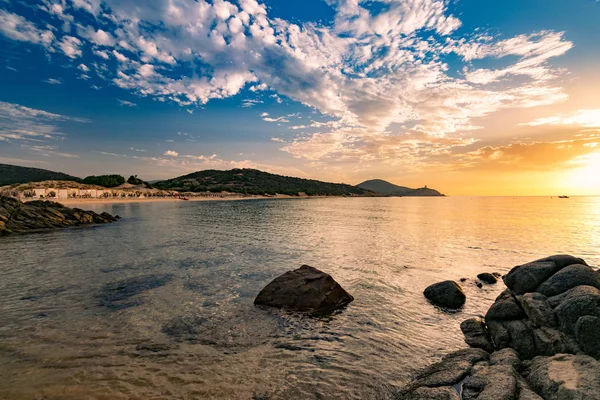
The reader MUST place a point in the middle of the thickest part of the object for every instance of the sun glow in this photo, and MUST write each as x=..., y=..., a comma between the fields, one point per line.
x=586, y=177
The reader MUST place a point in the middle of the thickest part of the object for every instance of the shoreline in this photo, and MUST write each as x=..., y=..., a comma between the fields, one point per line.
x=72, y=202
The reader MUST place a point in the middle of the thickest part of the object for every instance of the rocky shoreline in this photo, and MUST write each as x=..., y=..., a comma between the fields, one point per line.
x=36, y=216
x=539, y=340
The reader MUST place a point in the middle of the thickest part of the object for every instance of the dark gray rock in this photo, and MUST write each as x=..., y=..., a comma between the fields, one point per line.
x=447, y=294
x=525, y=392
x=577, y=302
x=528, y=277
x=506, y=307
x=549, y=341
x=452, y=369
x=565, y=377
x=488, y=278
x=538, y=309
x=497, y=382
x=429, y=393
x=568, y=278
x=37, y=216
x=578, y=291
x=305, y=289
x=521, y=338
x=475, y=334
x=498, y=333
x=587, y=332
x=506, y=357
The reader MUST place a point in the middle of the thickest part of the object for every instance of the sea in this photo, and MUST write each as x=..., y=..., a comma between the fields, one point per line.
x=160, y=304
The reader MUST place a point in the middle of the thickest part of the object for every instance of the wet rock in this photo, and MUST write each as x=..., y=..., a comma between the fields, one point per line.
x=479, y=285
x=430, y=393
x=463, y=279
x=587, y=332
x=538, y=309
x=498, y=333
x=475, y=334
x=497, y=382
x=305, y=289
x=488, y=278
x=528, y=277
x=565, y=377
x=447, y=294
x=549, y=341
x=118, y=295
x=452, y=369
x=36, y=216
x=568, y=278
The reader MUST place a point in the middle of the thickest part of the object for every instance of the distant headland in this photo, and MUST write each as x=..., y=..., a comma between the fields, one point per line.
x=27, y=183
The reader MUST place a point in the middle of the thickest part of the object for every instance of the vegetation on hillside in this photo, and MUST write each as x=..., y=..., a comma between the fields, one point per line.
x=108, y=181
x=11, y=174
x=251, y=181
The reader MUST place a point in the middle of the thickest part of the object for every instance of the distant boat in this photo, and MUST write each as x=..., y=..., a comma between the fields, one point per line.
x=563, y=197
x=183, y=198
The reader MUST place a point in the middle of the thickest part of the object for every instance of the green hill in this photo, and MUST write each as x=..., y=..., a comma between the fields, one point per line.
x=11, y=174
x=252, y=181
x=389, y=189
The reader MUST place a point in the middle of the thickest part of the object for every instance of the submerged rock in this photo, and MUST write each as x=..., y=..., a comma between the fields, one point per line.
x=447, y=294
x=488, y=278
x=118, y=295
x=305, y=289
x=36, y=216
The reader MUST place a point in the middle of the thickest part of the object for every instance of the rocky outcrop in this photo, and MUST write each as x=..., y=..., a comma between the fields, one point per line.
x=541, y=334
x=36, y=216
x=305, y=289
x=447, y=294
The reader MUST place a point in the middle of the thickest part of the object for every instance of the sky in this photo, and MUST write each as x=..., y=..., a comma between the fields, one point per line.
x=469, y=97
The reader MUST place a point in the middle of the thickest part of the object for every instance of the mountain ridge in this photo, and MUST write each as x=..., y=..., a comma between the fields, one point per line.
x=386, y=188
x=12, y=174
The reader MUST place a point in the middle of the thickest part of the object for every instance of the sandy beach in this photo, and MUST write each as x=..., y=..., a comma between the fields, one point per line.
x=76, y=202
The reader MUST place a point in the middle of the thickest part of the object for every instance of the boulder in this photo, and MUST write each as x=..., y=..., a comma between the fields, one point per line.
x=475, y=334
x=506, y=307
x=488, y=278
x=452, y=369
x=587, y=332
x=565, y=377
x=447, y=294
x=538, y=309
x=577, y=302
x=506, y=357
x=305, y=289
x=497, y=382
x=430, y=393
x=568, y=278
x=528, y=277
x=498, y=333
x=521, y=338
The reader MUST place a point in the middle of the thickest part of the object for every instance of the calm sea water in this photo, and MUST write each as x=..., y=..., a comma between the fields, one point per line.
x=159, y=305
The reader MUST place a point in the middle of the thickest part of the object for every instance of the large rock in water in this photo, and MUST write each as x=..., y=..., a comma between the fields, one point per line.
x=36, y=216
x=447, y=294
x=305, y=289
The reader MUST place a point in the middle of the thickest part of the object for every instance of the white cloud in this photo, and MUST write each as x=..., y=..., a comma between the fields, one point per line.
x=53, y=81
x=70, y=46
x=83, y=68
x=126, y=103
x=582, y=118
x=171, y=153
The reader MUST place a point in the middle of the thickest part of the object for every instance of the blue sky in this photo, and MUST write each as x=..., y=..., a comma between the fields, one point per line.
x=415, y=91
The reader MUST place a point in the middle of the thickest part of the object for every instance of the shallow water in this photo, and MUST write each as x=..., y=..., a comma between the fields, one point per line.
x=159, y=305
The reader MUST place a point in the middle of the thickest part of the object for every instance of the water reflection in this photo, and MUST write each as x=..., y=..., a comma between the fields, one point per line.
x=159, y=305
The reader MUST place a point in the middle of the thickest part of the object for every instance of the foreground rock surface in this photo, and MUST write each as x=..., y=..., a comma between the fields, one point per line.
x=36, y=216
x=540, y=339
x=305, y=289
x=447, y=294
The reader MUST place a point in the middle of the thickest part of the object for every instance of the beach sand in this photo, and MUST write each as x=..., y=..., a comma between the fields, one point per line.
x=76, y=202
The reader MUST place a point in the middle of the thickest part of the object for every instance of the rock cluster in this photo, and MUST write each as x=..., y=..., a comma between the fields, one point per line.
x=539, y=340
x=35, y=216
x=305, y=289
